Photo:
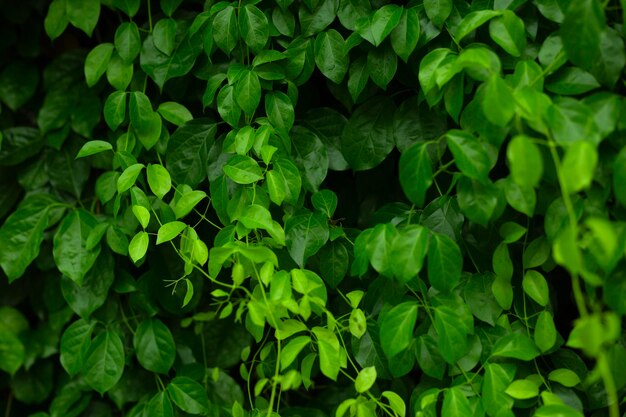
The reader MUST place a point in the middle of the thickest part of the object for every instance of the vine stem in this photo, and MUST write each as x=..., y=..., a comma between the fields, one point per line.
x=7, y=410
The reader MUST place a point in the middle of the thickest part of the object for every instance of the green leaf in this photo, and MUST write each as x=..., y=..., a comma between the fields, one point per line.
x=56, y=19
x=444, y=262
x=154, y=346
x=438, y=10
x=498, y=102
x=545, y=331
x=279, y=110
x=283, y=182
x=130, y=7
x=188, y=395
x=104, y=361
x=357, y=323
x=248, y=92
x=331, y=56
x=93, y=147
x=70, y=254
x=396, y=328
x=97, y=62
x=452, y=334
x=565, y=377
x=329, y=352
x=86, y=298
x=455, y=403
x=409, y=250
x=254, y=27
x=145, y=122
x=477, y=200
x=225, y=29
x=187, y=203
x=292, y=349
x=473, y=21
x=509, y=32
x=470, y=156
x=169, y=6
x=334, y=263
x=319, y=18
x=416, y=172
x=525, y=161
x=18, y=83
x=12, y=352
x=160, y=405
x=74, y=345
x=115, y=109
x=552, y=410
x=138, y=246
x=498, y=376
x=164, y=36
x=169, y=231
x=174, y=113
x=187, y=152
x=480, y=299
x=516, y=346
x=571, y=81
x=258, y=217
x=325, y=201
x=536, y=287
x=311, y=157
x=305, y=234
x=395, y=402
x=523, y=389
x=142, y=215
x=382, y=63
x=365, y=379
x=368, y=136
x=127, y=41
x=522, y=199
x=578, y=166
x=243, y=169
x=581, y=32
x=159, y=180
x=405, y=35
x=119, y=73
x=227, y=107
x=83, y=14
x=128, y=177
x=376, y=29
x=379, y=248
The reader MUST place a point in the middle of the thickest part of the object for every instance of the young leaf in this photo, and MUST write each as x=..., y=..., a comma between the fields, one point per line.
x=159, y=180
x=525, y=161
x=365, y=379
x=115, y=109
x=93, y=147
x=509, y=32
x=536, y=287
x=138, y=246
x=128, y=177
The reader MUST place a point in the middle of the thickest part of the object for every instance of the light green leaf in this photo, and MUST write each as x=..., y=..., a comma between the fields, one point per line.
x=545, y=331
x=498, y=101
x=365, y=379
x=292, y=349
x=93, y=147
x=248, y=92
x=83, y=14
x=455, y=403
x=169, y=231
x=128, y=177
x=408, y=252
x=329, y=352
x=516, y=346
x=523, y=389
x=565, y=377
x=473, y=21
x=525, y=161
x=578, y=166
x=142, y=214
x=438, y=10
x=187, y=203
x=138, y=246
x=159, y=180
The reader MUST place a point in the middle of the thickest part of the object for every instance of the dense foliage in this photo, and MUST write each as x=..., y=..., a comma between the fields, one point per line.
x=312, y=208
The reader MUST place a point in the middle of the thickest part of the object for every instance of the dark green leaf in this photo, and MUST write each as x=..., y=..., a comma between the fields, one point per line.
x=188, y=395
x=408, y=252
x=127, y=41
x=254, y=27
x=154, y=346
x=444, y=262
x=438, y=10
x=83, y=14
x=305, y=234
x=581, y=32
x=104, y=361
x=115, y=109
x=331, y=55
x=405, y=35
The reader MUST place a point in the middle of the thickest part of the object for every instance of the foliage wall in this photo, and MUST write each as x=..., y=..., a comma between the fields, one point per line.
x=312, y=208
